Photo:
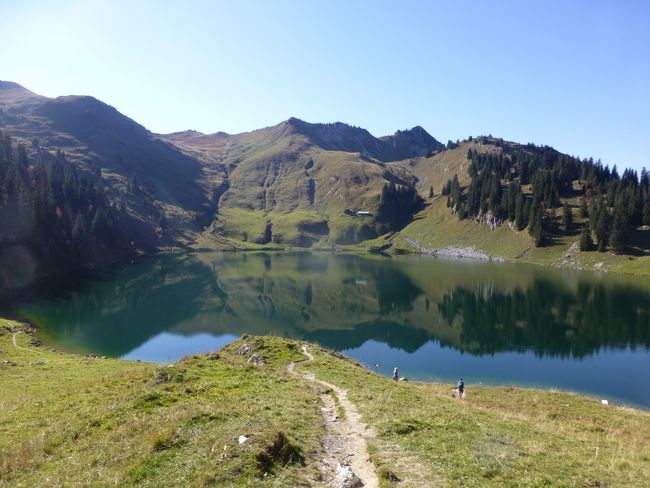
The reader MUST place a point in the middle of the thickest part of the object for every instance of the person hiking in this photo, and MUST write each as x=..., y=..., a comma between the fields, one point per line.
x=395, y=374
x=460, y=386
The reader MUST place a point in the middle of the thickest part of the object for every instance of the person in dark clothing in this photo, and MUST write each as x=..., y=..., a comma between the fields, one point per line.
x=460, y=386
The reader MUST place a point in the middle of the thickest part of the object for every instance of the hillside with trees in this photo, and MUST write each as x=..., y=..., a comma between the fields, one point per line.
x=54, y=216
x=302, y=184
x=549, y=194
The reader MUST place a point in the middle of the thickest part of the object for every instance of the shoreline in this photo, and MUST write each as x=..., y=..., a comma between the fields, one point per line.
x=48, y=345
x=222, y=417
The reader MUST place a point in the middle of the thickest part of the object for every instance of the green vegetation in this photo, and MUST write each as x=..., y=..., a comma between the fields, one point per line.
x=70, y=419
x=298, y=184
x=551, y=179
x=77, y=419
x=52, y=213
x=495, y=436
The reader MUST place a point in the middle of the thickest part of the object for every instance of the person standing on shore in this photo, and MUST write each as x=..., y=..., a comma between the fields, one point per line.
x=460, y=386
x=395, y=374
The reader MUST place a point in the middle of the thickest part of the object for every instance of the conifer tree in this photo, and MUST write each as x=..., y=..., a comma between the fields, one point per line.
x=584, y=212
x=79, y=231
x=519, y=212
x=586, y=243
x=162, y=219
x=535, y=225
x=133, y=186
x=602, y=229
x=646, y=211
x=618, y=233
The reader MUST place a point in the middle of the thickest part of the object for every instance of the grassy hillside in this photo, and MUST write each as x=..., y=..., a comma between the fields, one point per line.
x=71, y=419
x=437, y=227
x=74, y=419
x=288, y=186
x=291, y=184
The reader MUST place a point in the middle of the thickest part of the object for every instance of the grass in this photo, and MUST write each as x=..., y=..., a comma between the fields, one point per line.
x=495, y=436
x=70, y=419
x=436, y=227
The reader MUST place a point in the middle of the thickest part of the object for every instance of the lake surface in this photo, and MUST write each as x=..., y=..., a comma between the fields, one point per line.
x=435, y=319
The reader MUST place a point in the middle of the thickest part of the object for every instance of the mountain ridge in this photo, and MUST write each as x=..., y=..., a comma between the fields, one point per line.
x=295, y=183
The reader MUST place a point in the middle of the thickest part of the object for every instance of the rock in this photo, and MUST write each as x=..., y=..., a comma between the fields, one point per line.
x=345, y=477
x=243, y=438
x=37, y=363
x=456, y=252
x=35, y=342
x=488, y=218
x=7, y=363
x=256, y=359
x=213, y=356
x=244, y=350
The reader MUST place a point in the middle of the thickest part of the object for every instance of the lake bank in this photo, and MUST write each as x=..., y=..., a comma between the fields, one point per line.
x=436, y=319
x=160, y=418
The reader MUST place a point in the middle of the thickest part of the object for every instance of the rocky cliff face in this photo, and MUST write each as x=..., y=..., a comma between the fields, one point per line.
x=343, y=137
x=413, y=142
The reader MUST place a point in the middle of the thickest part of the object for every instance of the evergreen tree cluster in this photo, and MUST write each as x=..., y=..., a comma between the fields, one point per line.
x=60, y=215
x=526, y=185
x=397, y=204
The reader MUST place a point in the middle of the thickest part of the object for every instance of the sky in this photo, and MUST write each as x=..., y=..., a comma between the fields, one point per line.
x=573, y=74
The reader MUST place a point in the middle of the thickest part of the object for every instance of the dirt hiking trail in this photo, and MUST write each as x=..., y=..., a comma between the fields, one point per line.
x=345, y=463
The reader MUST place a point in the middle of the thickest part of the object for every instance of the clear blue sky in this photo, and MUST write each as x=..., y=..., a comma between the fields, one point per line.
x=573, y=74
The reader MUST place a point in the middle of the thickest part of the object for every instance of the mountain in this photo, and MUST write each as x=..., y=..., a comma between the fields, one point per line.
x=290, y=184
x=343, y=137
x=294, y=183
x=322, y=185
x=99, y=139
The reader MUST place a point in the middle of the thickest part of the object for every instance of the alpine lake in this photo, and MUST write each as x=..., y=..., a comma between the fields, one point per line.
x=434, y=319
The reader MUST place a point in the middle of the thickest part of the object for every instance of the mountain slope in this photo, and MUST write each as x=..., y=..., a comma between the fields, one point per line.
x=101, y=140
x=291, y=183
x=303, y=184
x=553, y=183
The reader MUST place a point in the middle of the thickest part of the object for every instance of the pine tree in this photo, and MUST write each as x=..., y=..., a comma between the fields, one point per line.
x=646, y=211
x=519, y=212
x=602, y=229
x=617, y=238
x=524, y=173
x=98, y=225
x=584, y=212
x=535, y=225
x=79, y=230
x=133, y=186
x=162, y=219
x=586, y=244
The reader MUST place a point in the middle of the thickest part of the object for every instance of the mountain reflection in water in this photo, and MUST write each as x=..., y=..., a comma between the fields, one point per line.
x=346, y=301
